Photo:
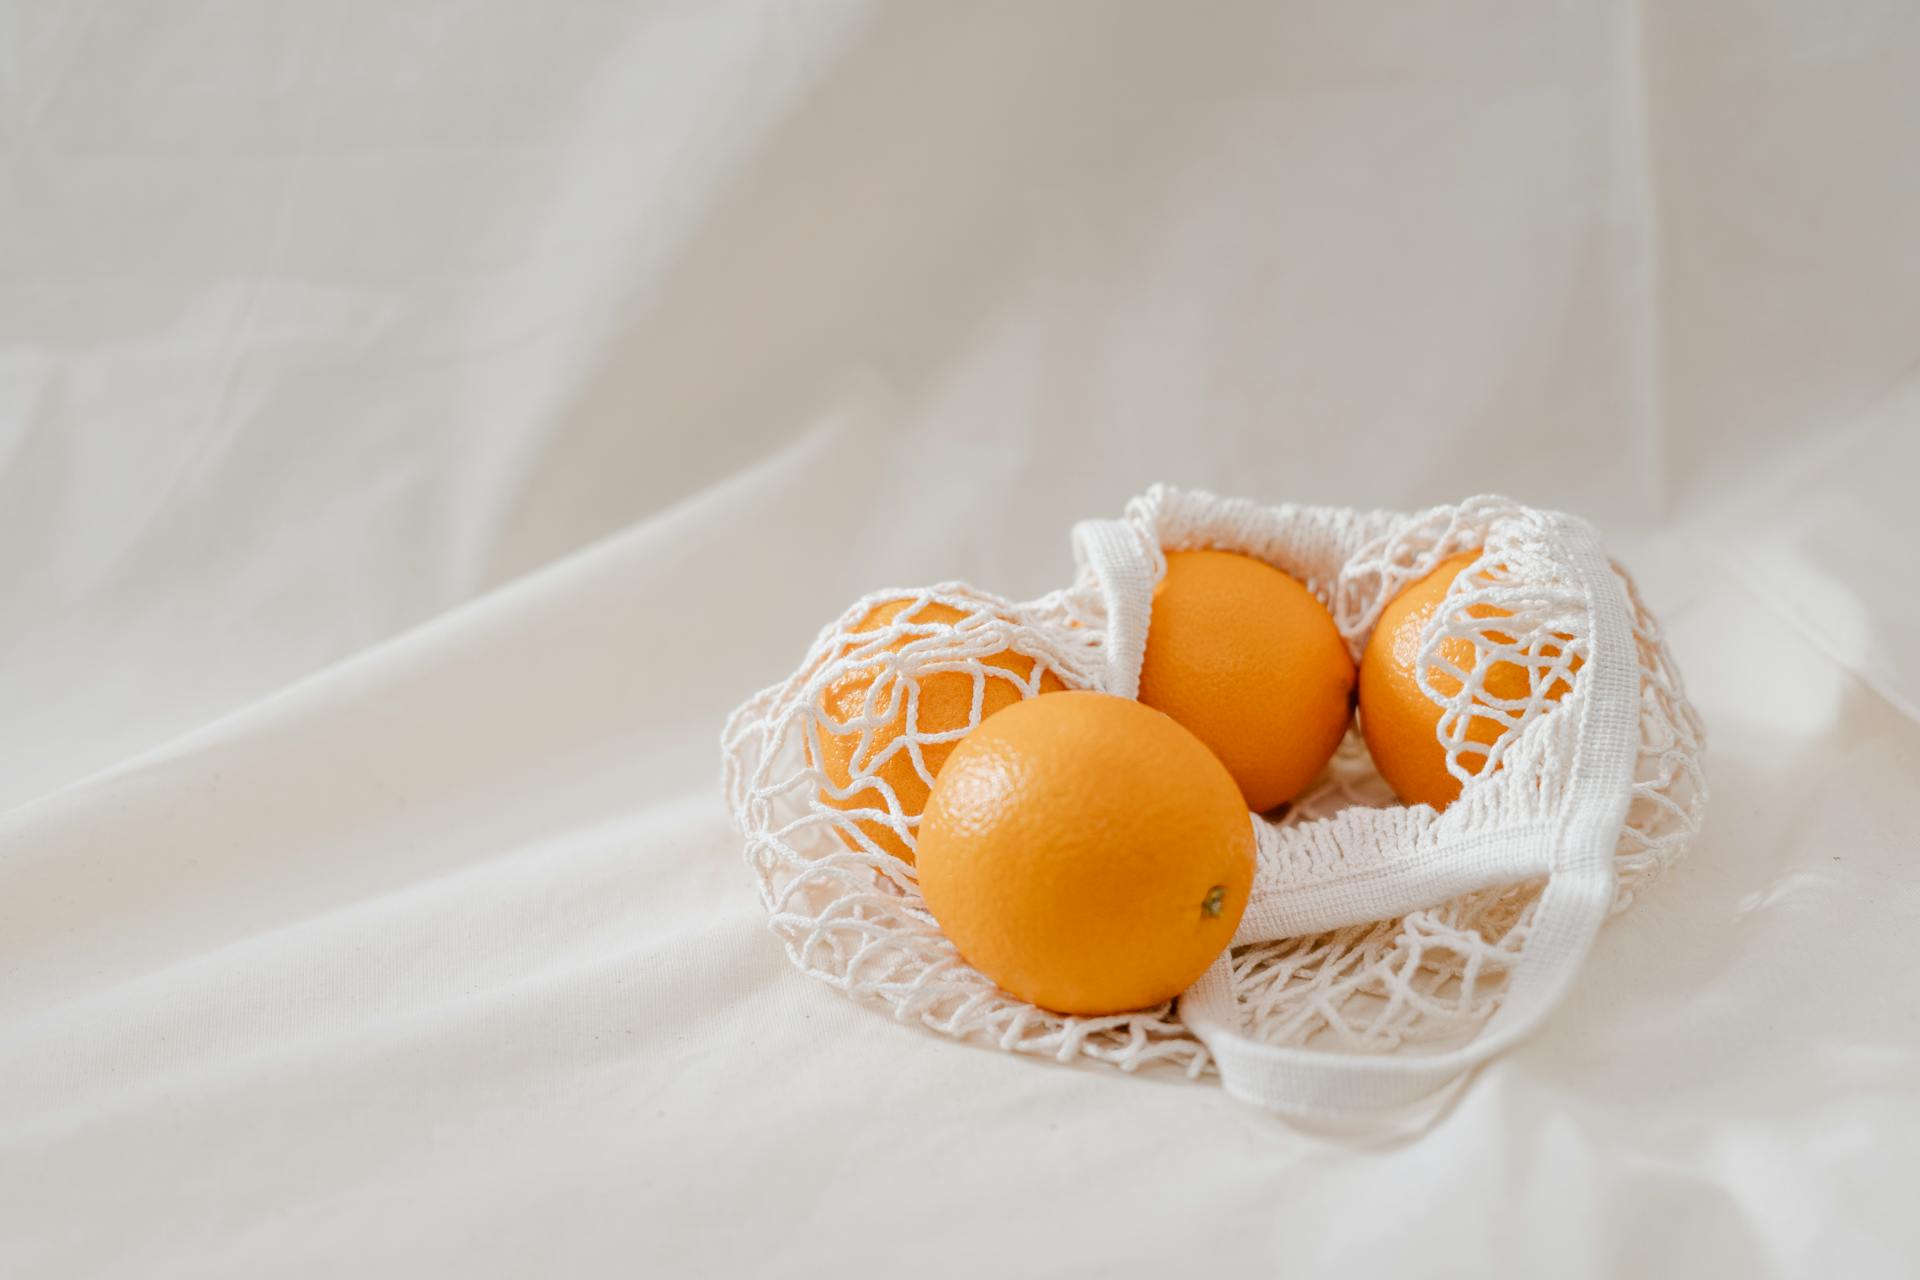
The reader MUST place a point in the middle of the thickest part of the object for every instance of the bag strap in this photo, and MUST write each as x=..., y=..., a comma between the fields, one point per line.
x=1127, y=566
x=1578, y=855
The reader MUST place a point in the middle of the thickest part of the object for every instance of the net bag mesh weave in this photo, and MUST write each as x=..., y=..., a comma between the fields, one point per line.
x=1370, y=934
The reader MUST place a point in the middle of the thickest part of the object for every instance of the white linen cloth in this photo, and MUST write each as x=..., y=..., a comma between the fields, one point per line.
x=419, y=424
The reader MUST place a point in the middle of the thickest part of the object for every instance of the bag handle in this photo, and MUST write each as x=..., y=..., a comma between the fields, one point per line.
x=1127, y=565
x=1575, y=849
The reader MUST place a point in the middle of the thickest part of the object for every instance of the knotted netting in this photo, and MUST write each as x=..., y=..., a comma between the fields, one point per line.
x=1382, y=942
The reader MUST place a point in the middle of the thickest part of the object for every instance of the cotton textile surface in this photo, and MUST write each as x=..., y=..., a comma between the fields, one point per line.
x=420, y=425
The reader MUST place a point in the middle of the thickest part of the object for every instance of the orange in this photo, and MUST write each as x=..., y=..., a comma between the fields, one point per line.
x=1086, y=853
x=1245, y=657
x=1399, y=722
x=944, y=705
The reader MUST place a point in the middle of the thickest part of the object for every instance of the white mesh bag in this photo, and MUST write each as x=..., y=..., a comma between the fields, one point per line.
x=1386, y=949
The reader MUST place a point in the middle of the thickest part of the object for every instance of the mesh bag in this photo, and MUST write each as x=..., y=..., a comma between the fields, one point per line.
x=1385, y=949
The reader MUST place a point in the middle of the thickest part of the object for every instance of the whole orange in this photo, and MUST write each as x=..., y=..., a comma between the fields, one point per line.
x=1086, y=853
x=868, y=741
x=1399, y=722
x=1245, y=656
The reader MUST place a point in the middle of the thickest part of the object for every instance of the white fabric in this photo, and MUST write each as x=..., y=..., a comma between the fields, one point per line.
x=329, y=946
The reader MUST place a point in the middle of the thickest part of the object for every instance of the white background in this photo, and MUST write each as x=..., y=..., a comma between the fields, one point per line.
x=421, y=422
